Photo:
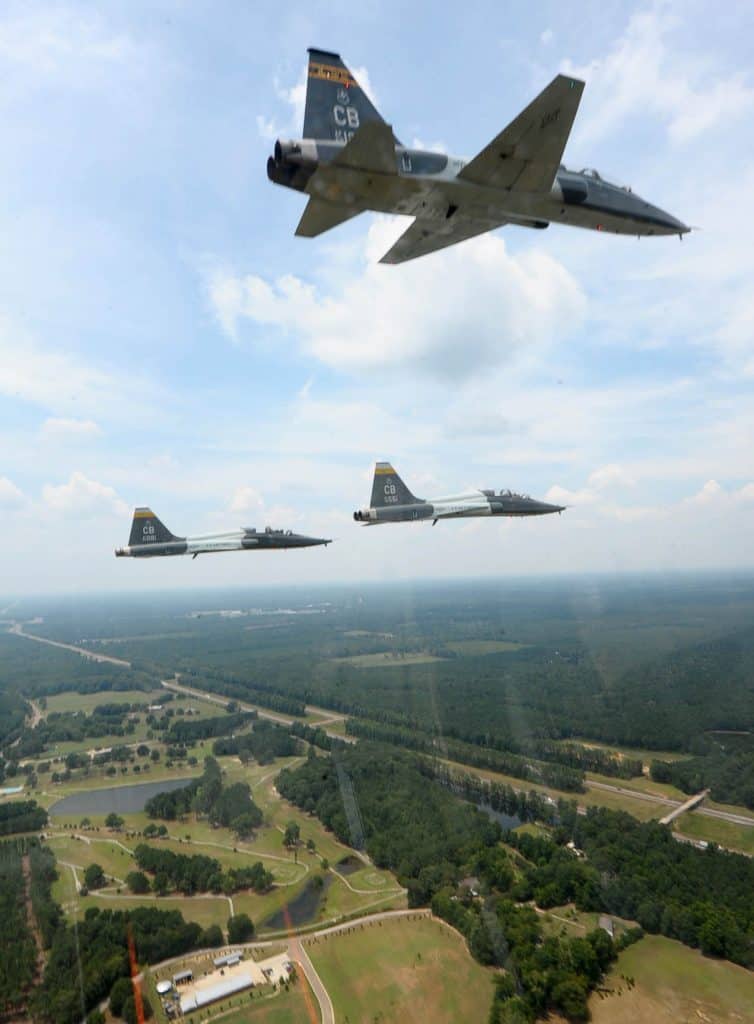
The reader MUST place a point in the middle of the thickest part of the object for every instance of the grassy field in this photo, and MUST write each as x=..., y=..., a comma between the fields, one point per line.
x=387, y=659
x=673, y=984
x=402, y=970
x=477, y=647
x=714, y=830
x=291, y=874
x=297, y=1005
x=86, y=702
x=641, y=809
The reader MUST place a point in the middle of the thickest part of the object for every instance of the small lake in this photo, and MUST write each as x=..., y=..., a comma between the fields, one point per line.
x=303, y=909
x=504, y=820
x=121, y=799
x=349, y=865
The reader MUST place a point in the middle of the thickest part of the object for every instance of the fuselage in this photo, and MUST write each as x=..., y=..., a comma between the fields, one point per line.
x=426, y=184
x=470, y=504
x=234, y=540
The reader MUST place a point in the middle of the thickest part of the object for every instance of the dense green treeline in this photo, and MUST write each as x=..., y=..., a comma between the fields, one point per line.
x=410, y=825
x=549, y=774
x=704, y=898
x=47, y=912
x=87, y=958
x=230, y=806
x=531, y=806
x=729, y=775
x=198, y=873
x=18, y=958
x=432, y=839
x=21, y=816
x=189, y=731
x=263, y=743
x=256, y=692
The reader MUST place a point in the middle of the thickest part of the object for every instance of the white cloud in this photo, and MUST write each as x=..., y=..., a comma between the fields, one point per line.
x=456, y=313
x=81, y=496
x=246, y=499
x=62, y=428
x=644, y=74
x=546, y=37
x=10, y=495
x=611, y=475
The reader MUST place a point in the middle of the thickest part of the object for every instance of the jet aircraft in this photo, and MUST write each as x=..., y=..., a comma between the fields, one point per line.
x=393, y=502
x=350, y=161
x=150, y=537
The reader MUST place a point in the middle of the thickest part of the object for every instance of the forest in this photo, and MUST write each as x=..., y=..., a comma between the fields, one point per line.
x=231, y=806
x=197, y=873
x=728, y=774
x=263, y=744
x=86, y=959
x=16, y=940
x=21, y=816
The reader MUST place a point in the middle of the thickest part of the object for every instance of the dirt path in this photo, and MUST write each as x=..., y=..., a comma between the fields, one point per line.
x=26, y=868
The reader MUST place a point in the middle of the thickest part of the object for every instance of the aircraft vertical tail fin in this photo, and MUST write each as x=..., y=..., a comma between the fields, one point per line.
x=336, y=105
x=146, y=528
x=388, y=488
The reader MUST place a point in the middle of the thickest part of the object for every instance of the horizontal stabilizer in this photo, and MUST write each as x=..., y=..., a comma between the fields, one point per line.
x=371, y=149
x=526, y=155
x=425, y=236
x=321, y=215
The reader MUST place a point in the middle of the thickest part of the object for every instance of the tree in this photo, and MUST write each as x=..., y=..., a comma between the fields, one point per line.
x=129, y=1009
x=244, y=824
x=142, y=750
x=212, y=936
x=114, y=820
x=292, y=834
x=121, y=991
x=155, y=755
x=137, y=882
x=94, y=877
x=240, y=928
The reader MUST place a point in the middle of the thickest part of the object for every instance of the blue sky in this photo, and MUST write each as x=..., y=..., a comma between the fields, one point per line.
x=165, y=340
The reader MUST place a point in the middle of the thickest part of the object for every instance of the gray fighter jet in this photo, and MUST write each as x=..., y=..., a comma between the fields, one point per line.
x=393, y=502
x=350, y=161
x=150, y=537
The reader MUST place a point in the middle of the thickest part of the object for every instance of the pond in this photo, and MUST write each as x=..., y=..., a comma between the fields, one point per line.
x=121, y=799
x=349, y=865
x=504, y=820
x=302, y=909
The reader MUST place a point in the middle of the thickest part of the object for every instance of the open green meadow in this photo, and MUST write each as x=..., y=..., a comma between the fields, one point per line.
x=387, y=659
x=402, y=970
x=474, y=648
x=714, y=830
x=86, y=702
x=673, y=984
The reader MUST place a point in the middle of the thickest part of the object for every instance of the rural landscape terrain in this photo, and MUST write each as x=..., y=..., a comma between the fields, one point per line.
x=492, y=802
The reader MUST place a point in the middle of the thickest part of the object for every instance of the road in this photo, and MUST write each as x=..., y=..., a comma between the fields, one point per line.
x=18, y=630
x=298, y=955
x=688, y=805
x=331, y=717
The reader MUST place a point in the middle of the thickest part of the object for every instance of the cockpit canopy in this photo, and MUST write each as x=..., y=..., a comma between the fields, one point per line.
x=505, y=493
x=594, y=174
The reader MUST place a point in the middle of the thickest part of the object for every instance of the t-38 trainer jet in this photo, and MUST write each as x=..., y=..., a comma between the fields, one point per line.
x=150, y=537
x=393, y=502
x=350, y=161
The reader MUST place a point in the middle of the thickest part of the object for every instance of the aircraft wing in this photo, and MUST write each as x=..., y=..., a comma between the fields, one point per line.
x=320, y=215
x=425, y=236
x=526, y=155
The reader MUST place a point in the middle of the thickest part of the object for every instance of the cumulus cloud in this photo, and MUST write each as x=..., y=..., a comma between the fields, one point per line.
x=644, y=74
x=81, y=496
x=246, y=499
x=456, y=313
x=611, y=475
x=62, y=429
x=10, y=495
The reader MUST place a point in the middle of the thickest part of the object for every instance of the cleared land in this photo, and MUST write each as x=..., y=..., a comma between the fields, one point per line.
x=418, y=970
x=672, y=984
x=477, y=647
x=715, y=830
x=387, y=659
